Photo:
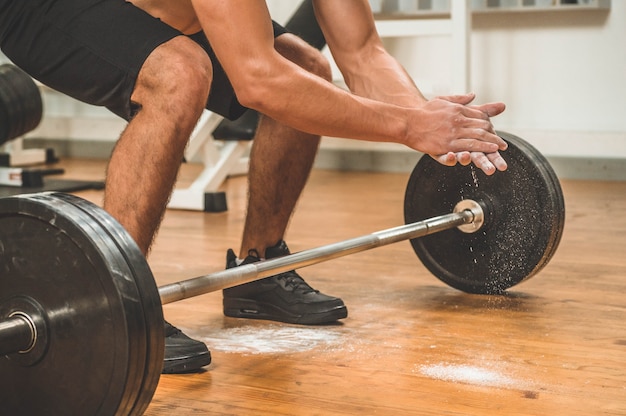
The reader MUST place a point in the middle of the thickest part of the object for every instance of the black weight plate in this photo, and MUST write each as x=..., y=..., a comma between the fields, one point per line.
x=524, y=219
x=21, y=107
x=54, y=253
x=150, y=298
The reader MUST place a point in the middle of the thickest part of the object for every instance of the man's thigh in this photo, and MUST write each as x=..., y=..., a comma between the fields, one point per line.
x=91, y=50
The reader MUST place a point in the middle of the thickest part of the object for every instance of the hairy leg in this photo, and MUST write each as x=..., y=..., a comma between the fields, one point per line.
x=280, y=161
x=171, y=90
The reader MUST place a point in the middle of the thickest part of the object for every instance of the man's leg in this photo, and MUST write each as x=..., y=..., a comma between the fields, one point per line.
x=280, y=163
x=171, y=92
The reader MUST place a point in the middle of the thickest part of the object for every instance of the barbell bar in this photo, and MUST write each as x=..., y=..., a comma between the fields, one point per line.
x=81, y=318
x=466, y=213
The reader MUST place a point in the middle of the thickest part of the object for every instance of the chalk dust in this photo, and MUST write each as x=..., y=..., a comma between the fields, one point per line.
x=467, y=374
x=273, y=339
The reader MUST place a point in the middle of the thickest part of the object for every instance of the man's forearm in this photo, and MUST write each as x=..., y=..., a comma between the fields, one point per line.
x=379, y=76
x=309, y=103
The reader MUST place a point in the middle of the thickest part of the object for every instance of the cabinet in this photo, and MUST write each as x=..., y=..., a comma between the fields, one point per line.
x=427, y=8
x=538, y=5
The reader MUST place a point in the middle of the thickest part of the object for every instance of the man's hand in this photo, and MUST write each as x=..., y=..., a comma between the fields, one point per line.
x=488, y=162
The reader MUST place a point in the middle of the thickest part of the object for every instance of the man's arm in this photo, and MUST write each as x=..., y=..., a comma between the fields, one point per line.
x=370, y=71
x=241, y=35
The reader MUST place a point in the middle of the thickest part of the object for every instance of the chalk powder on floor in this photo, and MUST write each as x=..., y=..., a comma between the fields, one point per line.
x=272, y=339
x=278, y=339
x=469, y=375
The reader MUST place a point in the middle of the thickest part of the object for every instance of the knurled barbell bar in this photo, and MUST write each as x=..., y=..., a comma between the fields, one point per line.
x=81, y=320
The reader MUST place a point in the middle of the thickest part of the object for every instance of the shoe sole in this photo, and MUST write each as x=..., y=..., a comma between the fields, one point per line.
x=187, y=364
x=245, y=308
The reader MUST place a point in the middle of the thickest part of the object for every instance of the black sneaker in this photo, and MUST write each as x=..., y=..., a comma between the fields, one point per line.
x=183, y=354
x=285, y=297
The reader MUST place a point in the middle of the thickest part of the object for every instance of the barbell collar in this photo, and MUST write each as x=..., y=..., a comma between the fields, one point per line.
x=249, y=272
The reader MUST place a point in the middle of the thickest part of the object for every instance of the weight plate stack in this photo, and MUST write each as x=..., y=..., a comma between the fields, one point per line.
x=104, y=329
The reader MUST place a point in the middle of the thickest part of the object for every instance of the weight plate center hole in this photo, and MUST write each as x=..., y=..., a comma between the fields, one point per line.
x=478, y=215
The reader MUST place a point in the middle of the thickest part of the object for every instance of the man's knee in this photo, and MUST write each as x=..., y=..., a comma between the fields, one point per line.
x=179, y=71
x=304, y=55
x=319, y=65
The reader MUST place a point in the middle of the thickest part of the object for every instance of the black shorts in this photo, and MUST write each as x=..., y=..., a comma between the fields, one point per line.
x=92, y=50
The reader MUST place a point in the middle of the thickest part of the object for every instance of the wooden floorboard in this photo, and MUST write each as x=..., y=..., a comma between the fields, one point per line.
x=555, y=344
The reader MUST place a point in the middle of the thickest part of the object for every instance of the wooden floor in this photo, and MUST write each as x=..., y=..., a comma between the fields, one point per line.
x=556, y=345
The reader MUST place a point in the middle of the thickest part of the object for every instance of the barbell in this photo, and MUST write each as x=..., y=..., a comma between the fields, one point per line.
x=81, y=320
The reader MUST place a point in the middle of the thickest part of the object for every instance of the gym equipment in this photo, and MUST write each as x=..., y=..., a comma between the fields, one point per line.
x=21, y=107
x=81, y=324
x=77, y=289
x=21, y=110
x=525, y=211
x=29, y=178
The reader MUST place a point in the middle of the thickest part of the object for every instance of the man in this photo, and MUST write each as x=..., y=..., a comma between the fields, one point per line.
x=158, y=63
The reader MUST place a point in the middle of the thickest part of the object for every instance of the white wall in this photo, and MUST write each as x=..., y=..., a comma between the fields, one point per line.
x=558, y=71
x=562, y=75
x=282, y=9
